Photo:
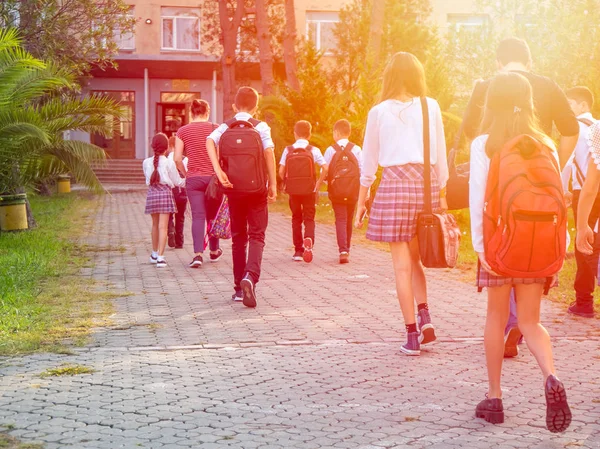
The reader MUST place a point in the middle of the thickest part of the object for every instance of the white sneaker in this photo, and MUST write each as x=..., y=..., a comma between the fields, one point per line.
x=161, y=263
x=153, y=259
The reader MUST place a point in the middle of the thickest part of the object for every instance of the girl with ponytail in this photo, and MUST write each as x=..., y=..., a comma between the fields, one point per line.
x=161, y=176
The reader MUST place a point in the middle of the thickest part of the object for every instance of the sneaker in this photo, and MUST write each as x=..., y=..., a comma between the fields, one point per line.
x=161, y=263
x=153, y=258
x=297, y=257
x=308, y=254
x=491, y=410
x=344, y=257
x=196, y=262
x=511, y=342
x=248, y=293
x=216, y=257
x=412, y=345
x=558, y=413
x=237, y=296
x=171, y=240
x=582, y=311
x=426, y=329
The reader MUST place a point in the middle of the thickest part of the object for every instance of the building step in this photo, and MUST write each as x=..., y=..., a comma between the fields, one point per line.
x=120, y=171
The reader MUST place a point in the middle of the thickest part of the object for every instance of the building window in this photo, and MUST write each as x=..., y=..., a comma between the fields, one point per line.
x=469, y=24
x=180, y=29
x=319, y=29
x=125, y=40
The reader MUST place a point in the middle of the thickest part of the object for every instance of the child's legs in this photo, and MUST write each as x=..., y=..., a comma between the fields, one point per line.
x=402, y=262
x=308, y=215
x=419, y=283
x=497, y=315
x=154, y=232
x=536, y=336
x=350, y=210
x=239, y=237
x=258, y=219
x=341, y=226
x=512, y=317
x=181, y=201
x=163, y=228
x=295, y=202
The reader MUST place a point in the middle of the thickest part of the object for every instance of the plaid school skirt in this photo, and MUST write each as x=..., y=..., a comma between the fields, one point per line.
x=160, y=200
x=398, y=202
x=485, y=279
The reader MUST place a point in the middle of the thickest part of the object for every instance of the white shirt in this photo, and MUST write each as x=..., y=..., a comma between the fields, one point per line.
x=594, y=143
x=394, y=136
x=303, y=143
x=172, y=154
x=263, y=129
x=581, y=154
x=356, y=150
x=166, y=169
x=480, y=167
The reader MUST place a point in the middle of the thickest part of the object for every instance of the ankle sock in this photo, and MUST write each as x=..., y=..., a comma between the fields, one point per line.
x=411, y=328
x=154, y=254
x=423, y=306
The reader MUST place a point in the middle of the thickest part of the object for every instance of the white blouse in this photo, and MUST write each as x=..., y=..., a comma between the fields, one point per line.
x=167, y=170
x=394, y=136
x=594, y=143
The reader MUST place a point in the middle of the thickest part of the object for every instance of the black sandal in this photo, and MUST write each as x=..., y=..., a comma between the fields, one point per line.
x=491, y=410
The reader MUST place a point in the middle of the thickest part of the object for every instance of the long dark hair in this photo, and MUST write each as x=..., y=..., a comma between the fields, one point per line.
x=403, y=74
x=509, y=112
x=160, y=144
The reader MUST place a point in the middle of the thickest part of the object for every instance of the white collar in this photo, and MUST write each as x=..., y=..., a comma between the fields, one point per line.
x=301, y=143
x=243, y=116
x=587, y=115
x=343, y=142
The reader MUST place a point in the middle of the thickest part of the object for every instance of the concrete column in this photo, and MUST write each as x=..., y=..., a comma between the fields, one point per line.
x=214, y=100
x=146, y=114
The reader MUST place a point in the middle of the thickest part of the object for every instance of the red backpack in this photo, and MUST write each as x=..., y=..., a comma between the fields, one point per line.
x=300, y=178
x=343, y=178
x=524, y=215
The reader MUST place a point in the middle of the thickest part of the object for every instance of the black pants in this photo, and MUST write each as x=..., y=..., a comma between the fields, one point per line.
x=177, y=220
x=249, y=219
x=303, y=211
x=587, y=265
x=344, y=214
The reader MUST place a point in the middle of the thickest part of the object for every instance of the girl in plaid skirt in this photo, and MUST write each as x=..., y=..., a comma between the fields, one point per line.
x=394, y=141
x=161, y=176
x=509, y=112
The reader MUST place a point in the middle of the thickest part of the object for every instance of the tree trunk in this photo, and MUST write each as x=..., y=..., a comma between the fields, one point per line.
x=289, y=46
x=229, y=29
x=264, y=47
x=376, y=30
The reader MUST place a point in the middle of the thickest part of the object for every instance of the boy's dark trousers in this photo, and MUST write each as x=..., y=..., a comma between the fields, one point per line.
x=303, y=211
x=176, y=228
x=249, y=216
x=587, y=265
x=344, y=213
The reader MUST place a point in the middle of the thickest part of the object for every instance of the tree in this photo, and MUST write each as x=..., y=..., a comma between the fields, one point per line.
x=289, y=46
x=264, y=46
x=376, y=28
x=70, y=33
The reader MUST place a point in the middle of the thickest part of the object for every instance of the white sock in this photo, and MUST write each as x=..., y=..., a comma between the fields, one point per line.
x=154, y=254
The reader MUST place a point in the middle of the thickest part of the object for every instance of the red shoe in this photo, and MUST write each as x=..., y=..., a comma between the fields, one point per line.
x=308, y=253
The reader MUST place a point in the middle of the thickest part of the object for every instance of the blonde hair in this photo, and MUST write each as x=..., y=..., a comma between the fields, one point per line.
x=404, y=74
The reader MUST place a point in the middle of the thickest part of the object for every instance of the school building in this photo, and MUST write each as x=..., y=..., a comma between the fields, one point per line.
x=163, y=66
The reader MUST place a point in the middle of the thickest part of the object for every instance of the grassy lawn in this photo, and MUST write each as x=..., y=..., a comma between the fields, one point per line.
x=44, y=304
x=467, y=260
x=8, y=442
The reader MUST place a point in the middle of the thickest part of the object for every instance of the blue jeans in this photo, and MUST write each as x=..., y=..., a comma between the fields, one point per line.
x=196, y=186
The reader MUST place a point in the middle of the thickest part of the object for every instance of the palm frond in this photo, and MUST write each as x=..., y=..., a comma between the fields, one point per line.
x=78, y=158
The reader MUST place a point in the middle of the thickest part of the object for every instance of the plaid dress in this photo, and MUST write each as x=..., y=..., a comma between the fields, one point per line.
x=398, y=202
x=160, y=200
x=485, y=279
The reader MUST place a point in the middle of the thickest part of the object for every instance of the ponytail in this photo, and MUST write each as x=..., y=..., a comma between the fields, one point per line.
x=160, y=144
x=155, y=178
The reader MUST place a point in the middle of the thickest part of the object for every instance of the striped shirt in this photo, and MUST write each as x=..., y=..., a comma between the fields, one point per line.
x=193, y=136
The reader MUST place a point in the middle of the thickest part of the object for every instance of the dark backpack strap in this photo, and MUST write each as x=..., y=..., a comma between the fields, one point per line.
x=426, y=156
x=254, y=122
x=349, y=146
x=587, y=122
x=230, y=122
x=336, y=146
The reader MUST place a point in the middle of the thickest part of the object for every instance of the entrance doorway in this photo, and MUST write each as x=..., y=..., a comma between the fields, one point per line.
x=121, y=143
x=173, y=111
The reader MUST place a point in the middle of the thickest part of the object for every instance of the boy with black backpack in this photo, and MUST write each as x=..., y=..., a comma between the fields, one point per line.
x=343, y=183
x=245, y=166
x=297, y=169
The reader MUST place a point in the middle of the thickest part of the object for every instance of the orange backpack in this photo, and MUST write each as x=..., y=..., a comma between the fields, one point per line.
x=524, y=215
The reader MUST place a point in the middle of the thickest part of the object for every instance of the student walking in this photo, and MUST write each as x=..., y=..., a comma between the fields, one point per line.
x=161, y=177
x=192, y=138
x=517, y=209
x=344, y=159
x=297, y=169
x=245, y=149
x=177, y=220
x=394, y=141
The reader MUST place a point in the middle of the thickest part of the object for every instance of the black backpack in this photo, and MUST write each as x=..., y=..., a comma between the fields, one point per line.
x=343, y=179
x=300, y=178
x=241, y=156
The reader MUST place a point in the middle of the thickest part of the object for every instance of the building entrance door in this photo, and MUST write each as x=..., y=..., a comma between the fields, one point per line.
x=170, y=117
x=121, y=143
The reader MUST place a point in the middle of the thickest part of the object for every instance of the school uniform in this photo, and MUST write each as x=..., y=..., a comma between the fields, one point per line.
x=344, y=212
x=159, y=199
x=394, y=141
x=249, y=215
x=303, y=206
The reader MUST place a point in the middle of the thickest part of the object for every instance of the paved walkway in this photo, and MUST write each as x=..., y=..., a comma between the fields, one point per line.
x=315, y=365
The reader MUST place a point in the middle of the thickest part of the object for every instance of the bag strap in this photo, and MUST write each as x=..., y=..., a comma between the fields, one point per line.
x=336, y=146
x=587, y=122
x=426, y=156
x=580, y=175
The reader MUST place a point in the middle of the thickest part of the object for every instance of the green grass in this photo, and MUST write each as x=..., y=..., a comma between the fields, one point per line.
x=44, y=304
x=8, y=442
x=68, y=370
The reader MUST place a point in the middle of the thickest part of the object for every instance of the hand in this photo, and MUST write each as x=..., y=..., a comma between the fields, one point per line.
x=360, y=215
x=485, y=265
x=585, y=240
x=443, y=204
x=272, y=194
x=224, y=180
x=568, y=199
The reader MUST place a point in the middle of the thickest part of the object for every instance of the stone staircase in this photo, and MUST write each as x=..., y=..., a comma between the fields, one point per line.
x=121, y=171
